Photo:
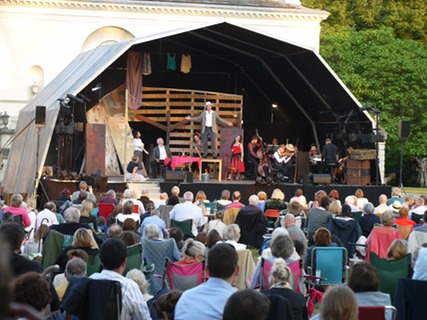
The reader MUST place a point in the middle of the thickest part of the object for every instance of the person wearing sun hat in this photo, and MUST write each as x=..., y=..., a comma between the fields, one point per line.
x=395, y=207
x=284, y=159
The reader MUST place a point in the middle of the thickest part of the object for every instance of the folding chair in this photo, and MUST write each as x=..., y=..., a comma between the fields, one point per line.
x=410, y=299
x=186, y=227
x=247, y=269
x=136, y=208
x=183, y=277
x=271, y=215
x=331, y=262
x=296, y=274
x=93, y=264
x=134, y=258
x=404, y=231
x=391, y=271
x=376, y=312
x=230, y=215
x=105, y=209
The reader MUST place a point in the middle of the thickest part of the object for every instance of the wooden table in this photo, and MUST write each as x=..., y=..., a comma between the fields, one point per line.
x=179, y=160
x=219, y=161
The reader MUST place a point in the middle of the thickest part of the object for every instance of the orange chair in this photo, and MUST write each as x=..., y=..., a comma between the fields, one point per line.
x=105, y=209
x=272, y=213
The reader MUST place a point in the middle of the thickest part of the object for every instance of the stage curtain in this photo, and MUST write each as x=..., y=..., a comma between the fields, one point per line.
x=134, y=79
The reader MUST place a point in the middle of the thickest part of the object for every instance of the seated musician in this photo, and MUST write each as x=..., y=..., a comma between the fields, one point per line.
x=284, y=159
x=341, y=172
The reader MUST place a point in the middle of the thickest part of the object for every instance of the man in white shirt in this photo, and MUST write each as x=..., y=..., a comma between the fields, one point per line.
x=47, y=216
x=417, y=213
x=161, y=153
x=209, y=119
x=113, y=258
x=188, y=210
x=382, y=200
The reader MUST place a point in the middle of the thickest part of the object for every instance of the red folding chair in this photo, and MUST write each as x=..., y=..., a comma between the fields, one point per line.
x=136, y=208
x=376, y=312
x=183, y=276
x=105, y=209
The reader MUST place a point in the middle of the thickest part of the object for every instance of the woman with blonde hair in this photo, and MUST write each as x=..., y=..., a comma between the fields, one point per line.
x=338, y=303
x=335, y=207
x=144, y=286
x=397, y=250
x=280, y=284
x=277, y=201
x=86, y=216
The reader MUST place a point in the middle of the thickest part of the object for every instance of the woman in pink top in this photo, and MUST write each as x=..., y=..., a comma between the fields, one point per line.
x=16, y=209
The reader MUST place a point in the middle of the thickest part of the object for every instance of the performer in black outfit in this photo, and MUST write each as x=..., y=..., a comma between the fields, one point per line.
x=329, y=157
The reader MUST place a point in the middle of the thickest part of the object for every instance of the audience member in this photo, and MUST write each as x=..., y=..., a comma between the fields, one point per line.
x=178, y=236
x=213, y=238
x=361, y=200
x=232, y=236
x=47, y=216
x=322, y=238
x=403, y=218
x=397, y=250
x=145, y=198
x=155, y=219
x=202, y=237
x=207, y=301
x=129, y=237
x=420, y=268
x=64, y=195
x=423, y=227
x=186, y=211
x=165, y=305
x=299, y=194
x=317, y=197
x=139, y=277
x=338, y=303
x=352, y=202
x=74, y=267
x=368, y=219
x=16, y=209
x=318, y=217
x=334, y=196
x=335, y=208
x=277, y=201
x=163, y=200
x=364, y=280
x=225, y=199
x=88, y=190
x=252, y=223
x=382, y=205
x=34, y=246
x=128, y=212
x=113, y=258
x=395, y=195
x=262, y=196
x=409, y=201
x=86, y=216
x=192, y=251
x=417, y=212
x=217, y=224
x=246, y=304
x=33, y=290
x=110, y=197
x=114, y=231
x=280, y=280
x=295, y=233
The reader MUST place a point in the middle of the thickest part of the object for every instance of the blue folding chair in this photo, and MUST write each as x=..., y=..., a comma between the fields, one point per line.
x=332, y=264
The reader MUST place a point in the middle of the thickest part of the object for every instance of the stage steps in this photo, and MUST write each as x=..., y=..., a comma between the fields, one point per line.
x=153, y=188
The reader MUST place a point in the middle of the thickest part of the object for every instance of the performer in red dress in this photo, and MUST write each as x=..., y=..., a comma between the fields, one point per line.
x=237, y=164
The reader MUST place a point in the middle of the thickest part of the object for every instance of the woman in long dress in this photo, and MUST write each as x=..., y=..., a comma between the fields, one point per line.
x=138, y=148
x=236, y=163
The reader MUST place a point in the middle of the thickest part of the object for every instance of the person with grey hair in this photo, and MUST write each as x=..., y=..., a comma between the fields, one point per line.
x=161, y=152
x=252, y=223
x=110, y=197
x=74, y=267
x=281, y=246
x=381, y=237
x=368, y=219
x=139, y=277
x=152, y=232
x=154, y=218
x=114, y=231
x=192, y=251
x=72, y=224
x=47, y=216
x=187, y=211
x=209, y=119
x=232, y=236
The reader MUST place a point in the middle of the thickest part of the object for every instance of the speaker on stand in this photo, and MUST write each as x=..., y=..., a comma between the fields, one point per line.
x=403, y=132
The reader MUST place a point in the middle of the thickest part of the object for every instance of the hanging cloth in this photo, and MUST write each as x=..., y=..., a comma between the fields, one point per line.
x=185, y=63
x=134, y=79
x=146, y=68
x=171, y=63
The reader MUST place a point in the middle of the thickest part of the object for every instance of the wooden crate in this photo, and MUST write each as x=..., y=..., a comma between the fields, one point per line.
x=358, y=172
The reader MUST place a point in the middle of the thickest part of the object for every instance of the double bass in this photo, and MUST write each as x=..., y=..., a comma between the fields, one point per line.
x=261, y=155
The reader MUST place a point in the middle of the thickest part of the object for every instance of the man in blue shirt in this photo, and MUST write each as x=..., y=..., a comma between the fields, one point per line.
x=207, y=300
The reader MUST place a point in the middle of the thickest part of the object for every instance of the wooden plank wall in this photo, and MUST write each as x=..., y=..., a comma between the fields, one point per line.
x=167, y=108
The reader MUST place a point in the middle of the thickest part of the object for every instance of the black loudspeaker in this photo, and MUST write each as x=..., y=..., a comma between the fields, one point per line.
x=322, y=178
x=175, y=175
x=189, y=177
x=40, y=116
x=404, y=129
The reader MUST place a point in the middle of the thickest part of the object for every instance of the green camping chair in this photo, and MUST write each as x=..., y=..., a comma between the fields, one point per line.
x=134, y=258
x=391, y=271
x=185, y=226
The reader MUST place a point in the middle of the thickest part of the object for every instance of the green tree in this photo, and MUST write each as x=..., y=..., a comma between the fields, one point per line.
x=391, y=73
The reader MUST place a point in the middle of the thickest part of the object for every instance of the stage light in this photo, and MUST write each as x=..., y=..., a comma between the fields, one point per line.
x=274, y=106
